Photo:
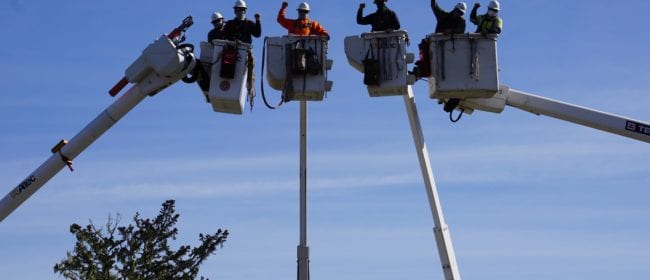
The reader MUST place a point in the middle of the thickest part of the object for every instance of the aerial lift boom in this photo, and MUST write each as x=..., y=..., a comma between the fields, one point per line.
x=161, y=64
x=538, y=105
x=463, y=73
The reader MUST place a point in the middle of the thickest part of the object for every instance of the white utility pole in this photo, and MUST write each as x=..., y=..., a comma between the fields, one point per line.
x=441, y=230
x=303, y=249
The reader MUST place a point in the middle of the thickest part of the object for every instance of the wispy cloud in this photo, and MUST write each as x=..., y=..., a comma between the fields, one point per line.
x=201, y=177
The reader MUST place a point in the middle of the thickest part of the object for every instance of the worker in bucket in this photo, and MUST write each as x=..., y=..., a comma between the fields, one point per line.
x=489, y=23
x=449, y=22
x=384, y=19
x=303, y=25
x=217, y=32
x=241, y=29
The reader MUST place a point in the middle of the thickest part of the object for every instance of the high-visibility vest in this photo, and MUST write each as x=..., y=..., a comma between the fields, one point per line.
x=489, y=25
x=298, y=24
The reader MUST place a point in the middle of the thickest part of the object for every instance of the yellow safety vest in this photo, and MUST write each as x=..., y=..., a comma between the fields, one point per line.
x=489, y=25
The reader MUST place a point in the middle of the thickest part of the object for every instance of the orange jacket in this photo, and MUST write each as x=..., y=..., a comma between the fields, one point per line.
x=300, y=27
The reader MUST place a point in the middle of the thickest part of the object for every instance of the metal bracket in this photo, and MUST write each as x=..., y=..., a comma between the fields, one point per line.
x=57, y=149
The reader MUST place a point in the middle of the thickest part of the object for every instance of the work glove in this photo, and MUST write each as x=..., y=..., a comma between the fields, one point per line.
x=257, y=17
x=285, y=4
x=477, y=5
x=362, y=5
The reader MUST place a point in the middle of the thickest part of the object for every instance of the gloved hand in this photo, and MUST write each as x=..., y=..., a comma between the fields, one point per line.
x=257, y=17
x=477, y=5
x=362, y=5
x=285, y=4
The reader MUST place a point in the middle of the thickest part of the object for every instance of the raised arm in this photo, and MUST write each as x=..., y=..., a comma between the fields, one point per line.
x=282, y=20
x=257, y=27
x=360, y=18
x=436, y=9
x=473, y=17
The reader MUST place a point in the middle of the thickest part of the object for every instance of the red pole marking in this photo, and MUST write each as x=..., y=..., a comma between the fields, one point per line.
x=118, y=87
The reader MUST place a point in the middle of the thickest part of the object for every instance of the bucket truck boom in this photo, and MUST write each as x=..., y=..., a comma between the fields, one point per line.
x=538, y=105
x=162, y=63
x=464, y=74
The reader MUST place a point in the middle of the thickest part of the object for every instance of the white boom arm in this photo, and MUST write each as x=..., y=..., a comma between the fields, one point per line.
x=161, y=64
x=560, y=110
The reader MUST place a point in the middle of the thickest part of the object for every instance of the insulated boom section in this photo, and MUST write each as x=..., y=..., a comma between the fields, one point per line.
x=580, y=115
x=71, y=150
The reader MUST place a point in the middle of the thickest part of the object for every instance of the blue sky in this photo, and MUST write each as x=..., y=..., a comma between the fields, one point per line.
x=526, y=197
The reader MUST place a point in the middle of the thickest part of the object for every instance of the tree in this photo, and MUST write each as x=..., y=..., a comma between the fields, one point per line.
x=136, y=251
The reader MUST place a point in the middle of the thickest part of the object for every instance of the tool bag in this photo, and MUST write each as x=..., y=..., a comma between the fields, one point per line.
x=371, y=69
x=299, y=61
x=228, y=62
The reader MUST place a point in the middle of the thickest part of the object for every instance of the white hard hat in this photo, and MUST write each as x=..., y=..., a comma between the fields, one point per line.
x=303, y=6
x=216, y=16
x=494, y=5
x=461, y=6
x=240, y=4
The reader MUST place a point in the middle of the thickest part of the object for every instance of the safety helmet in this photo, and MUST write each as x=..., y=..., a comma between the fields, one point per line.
x=461, y=6
x=216, y=16
x=303, y=6
x=494, y=5
x=240, y=4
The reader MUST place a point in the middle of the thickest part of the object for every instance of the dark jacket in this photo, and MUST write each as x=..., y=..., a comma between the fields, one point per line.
x=216, y=34
x=381, y=20
x=448, y=22
x=242, y=30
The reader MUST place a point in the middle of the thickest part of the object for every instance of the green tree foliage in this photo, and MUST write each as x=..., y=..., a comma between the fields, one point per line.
x=136, y=251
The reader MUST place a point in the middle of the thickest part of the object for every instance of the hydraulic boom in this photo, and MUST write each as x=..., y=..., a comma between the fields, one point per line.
x=538, y=105
x=161, y=64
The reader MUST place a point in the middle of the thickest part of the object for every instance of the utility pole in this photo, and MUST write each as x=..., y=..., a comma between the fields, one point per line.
x=303, y=249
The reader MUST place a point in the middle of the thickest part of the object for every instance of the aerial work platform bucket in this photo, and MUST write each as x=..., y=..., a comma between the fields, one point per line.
x=463, y=66
x=227, y=65
x=298, y=65
x=382, y=57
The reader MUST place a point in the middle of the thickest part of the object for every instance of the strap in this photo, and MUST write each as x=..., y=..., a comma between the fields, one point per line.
x=309, y=24
x=370, y=52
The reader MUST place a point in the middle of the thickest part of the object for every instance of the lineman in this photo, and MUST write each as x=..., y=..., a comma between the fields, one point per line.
x=240, y=28
x=449, y=22
x=384, y=19
x=489, y=23
x=303, y=25
x=217, y=32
